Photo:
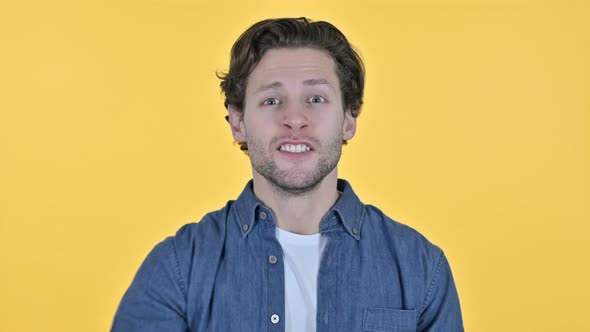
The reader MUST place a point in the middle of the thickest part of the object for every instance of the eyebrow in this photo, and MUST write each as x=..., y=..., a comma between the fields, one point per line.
x=317, y=81
x=269, y=86
x=309, y=82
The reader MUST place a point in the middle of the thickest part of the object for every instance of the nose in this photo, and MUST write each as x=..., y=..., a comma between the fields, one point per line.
x=295, y=117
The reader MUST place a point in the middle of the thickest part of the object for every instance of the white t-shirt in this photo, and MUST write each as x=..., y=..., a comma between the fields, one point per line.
x=302, y=254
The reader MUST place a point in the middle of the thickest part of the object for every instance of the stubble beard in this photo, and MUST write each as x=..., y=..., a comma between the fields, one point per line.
x=294, y=182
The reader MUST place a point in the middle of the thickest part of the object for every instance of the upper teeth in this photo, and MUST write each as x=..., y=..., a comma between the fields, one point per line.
x=298, y=148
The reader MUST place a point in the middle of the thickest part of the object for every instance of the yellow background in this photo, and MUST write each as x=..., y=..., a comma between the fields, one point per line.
x=475, y=131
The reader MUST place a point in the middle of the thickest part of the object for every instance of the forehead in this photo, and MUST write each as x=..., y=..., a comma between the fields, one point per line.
x=293, y=65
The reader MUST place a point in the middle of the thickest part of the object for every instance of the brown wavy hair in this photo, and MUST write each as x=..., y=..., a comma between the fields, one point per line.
x=251, y=46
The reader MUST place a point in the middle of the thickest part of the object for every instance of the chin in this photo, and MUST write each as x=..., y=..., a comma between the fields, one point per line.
x=298, y=184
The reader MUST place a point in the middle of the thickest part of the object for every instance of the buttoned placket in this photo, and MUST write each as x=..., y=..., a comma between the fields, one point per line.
x=327, y=281
x=275, y=273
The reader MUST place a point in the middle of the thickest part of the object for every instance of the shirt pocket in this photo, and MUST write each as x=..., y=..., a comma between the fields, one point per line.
x=389, y=320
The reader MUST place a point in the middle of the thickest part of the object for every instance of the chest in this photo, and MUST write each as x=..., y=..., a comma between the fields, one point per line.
x=359, y=288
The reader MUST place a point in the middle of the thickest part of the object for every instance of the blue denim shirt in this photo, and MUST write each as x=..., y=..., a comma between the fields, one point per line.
x=225, y=273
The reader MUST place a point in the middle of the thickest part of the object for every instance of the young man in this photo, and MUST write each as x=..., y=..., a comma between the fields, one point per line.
x=297, y=251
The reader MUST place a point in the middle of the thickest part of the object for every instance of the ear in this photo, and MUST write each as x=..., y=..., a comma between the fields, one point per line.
x=236, y=123
x=349, y=125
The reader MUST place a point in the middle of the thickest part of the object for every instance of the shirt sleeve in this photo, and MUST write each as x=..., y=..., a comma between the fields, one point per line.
x=441, y=311
x=156, y=299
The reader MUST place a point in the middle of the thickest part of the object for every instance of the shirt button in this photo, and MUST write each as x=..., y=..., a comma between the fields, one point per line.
x=274, y=318
x=272, y=260
x=355, y=231
x=245, y=227
x=263, y=215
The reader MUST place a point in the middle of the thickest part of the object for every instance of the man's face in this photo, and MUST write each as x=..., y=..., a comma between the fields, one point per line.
x=293, y=119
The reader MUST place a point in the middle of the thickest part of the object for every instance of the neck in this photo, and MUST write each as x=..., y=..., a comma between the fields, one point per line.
x=299, y=213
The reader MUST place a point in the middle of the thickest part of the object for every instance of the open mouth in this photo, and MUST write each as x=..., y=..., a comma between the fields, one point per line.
x=295, y=148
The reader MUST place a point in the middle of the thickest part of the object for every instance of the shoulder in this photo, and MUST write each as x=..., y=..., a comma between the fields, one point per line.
x=193, y=241
x=211, y=225
x=196, y=235
x=402, y=241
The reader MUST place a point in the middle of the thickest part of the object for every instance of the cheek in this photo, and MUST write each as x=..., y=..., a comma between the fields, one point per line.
x=260, y=123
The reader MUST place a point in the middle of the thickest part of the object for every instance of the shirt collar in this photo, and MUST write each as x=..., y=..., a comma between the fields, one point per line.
x=347, y=211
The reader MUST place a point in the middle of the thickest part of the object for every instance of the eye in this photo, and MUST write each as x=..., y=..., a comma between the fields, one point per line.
x=317, y=99
x=271, y=101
